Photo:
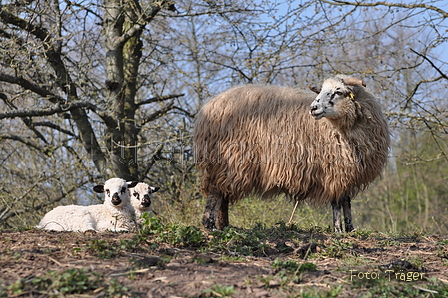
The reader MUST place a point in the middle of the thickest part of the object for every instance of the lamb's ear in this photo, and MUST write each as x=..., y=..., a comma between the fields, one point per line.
x=99, y=188
x=132, y=184
x=154, y=189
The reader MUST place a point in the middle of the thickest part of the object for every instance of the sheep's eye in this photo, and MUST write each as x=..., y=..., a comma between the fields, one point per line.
x=123, y=190
x=338, y=92
x=137, y=196
x=108, y=192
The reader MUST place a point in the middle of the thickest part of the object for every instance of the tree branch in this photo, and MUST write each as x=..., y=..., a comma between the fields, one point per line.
x=37, y=31
x=6, y=215
x=416, y=87
x=23, y=141
x=54, y=126
x=147, y=17
x=389, y=4
x=157, y=155
x=185, y=112
x=158, y=114
x=432, y=64
x=58, y=108
x=27, y=85
x=71, y=3
x=159, y=99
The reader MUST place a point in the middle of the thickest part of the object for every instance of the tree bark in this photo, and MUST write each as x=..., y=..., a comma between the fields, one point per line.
x=112, y=32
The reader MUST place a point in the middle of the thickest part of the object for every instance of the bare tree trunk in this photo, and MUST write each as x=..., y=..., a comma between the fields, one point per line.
x=122, y=29
x=132, y=53
x=117, y=101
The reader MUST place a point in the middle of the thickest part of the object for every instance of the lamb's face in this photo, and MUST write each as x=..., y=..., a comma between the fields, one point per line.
x=116, y=191
x=141, y=196
x=333, y=101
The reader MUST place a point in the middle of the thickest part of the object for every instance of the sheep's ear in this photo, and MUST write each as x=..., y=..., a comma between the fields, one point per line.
x=353, y=82
x=315, y=89
x=132, y=184
x=99, y=188
x=154, y=189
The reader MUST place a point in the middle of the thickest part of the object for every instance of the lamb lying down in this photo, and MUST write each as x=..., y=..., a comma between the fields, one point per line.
x=141, y=198
x=115, y=214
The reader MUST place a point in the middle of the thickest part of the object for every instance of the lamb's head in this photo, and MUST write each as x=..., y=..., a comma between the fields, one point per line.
x=141, y=196
x=116, y=191
x=336, y=97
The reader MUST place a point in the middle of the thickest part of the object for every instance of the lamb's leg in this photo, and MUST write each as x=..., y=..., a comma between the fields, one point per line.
x=347, y=209
x=216, y=214
x=336, y=206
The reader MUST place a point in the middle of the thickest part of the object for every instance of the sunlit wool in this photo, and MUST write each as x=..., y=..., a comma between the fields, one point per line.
x=261, y=139
x=115, y=214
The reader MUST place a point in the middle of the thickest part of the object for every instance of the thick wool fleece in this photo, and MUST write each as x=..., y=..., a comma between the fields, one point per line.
x=261, y=140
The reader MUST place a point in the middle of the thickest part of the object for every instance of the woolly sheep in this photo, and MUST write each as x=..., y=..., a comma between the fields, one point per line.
x=115, y=214
x=141, y=198
x=261, y=140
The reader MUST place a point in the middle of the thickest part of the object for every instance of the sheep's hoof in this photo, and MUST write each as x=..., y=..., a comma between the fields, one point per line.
x=349, y=228
x=338, y=230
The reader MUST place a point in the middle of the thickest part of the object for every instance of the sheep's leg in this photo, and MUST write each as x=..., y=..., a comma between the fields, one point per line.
x=216, y=214
x=336, y=206
x=347, y=209
x=208, y=218
x=223, y=215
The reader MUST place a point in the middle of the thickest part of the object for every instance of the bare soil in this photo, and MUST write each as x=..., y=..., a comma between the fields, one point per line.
x=161, y=270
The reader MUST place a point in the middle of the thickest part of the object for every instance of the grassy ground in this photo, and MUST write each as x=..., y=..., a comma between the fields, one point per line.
x=175, y=260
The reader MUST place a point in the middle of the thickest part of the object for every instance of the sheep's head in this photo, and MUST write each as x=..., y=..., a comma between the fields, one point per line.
x=141, y=196
x=116, y=191
x=337, y=95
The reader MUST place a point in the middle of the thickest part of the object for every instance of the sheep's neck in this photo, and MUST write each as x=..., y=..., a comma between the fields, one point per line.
x=345, y=124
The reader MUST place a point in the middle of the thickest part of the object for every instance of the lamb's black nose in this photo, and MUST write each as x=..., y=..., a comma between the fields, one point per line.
x=116, y=199
x=146, y=202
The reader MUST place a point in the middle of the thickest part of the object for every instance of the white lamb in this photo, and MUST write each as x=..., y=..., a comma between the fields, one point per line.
x=115, y=214
x=141, y=198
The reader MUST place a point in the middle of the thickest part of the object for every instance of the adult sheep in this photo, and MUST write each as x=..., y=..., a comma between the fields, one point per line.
x=115, y=214
x=262, y=140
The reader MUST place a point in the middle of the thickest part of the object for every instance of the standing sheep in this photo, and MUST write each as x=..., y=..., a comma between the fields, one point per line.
x=141, y=198
x=262, y=140
x=115, y=214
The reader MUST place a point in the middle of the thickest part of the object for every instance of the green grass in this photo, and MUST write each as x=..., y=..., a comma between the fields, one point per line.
x=72, y=281
x=219, y=290
x=292, y=266
x=247, y=213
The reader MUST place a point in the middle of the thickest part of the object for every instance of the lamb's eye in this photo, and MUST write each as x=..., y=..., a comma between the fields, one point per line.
x=108, y=192
x=123, y=190
x=136, y=195
x=338, y=92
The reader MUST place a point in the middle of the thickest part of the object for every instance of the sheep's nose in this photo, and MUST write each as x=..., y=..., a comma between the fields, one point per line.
x=116, y=199
x=146, y=202
x=317, y=111
x=313, y=109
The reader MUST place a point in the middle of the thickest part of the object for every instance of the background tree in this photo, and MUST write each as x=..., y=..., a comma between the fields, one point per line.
x=92, y=90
